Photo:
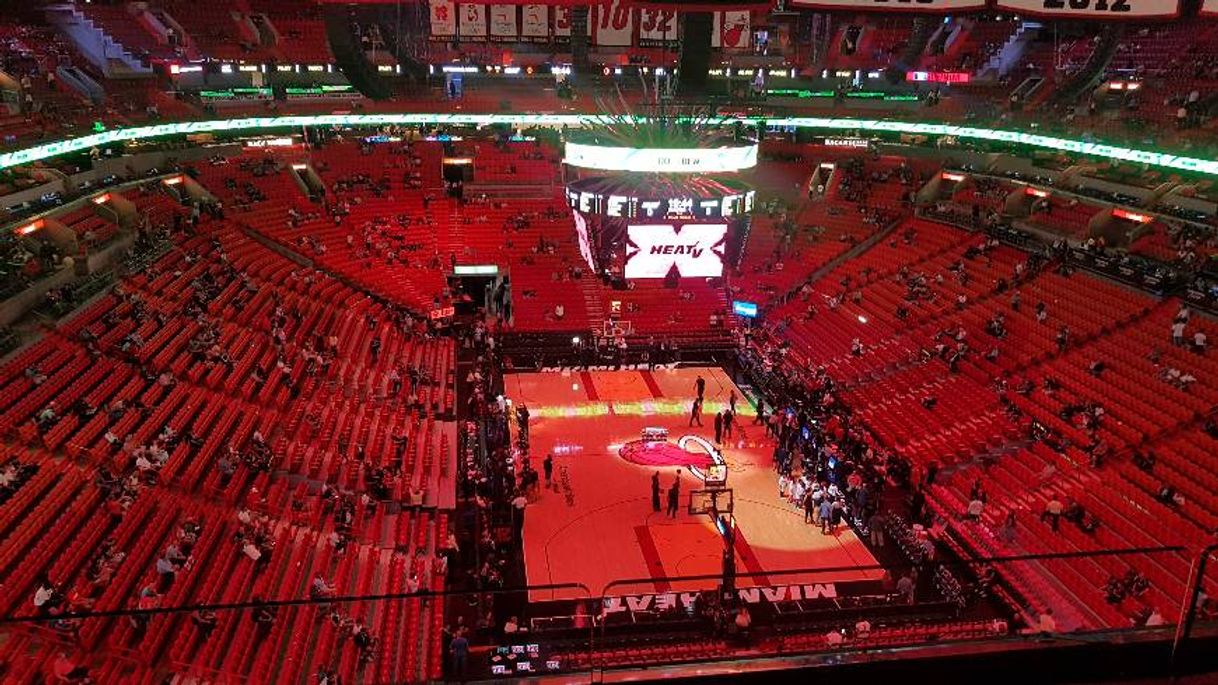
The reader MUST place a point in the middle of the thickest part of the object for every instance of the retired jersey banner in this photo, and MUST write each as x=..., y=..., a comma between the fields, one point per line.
x=472, y=20
x=443, y=18
x=731, y=30
x=503, y=21
x=535, y=21
x=657, y=27
x=894, y=5
x=614, y=22
x=1097, y=9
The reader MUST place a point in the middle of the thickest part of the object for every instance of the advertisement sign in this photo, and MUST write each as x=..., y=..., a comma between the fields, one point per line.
x=937, y=76
x=695, y=250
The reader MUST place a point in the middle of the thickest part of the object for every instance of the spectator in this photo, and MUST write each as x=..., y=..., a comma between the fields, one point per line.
x=1052, y=512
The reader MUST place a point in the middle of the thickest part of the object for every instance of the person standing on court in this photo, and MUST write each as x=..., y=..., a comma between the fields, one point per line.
x=695, y=412
x=655, y=491
x=547, y=465
x=674, y=496
x=718, y=427
x=459, y=648
x=826, y=516
x=727, y=422
x=700, y=386
x=731, y=401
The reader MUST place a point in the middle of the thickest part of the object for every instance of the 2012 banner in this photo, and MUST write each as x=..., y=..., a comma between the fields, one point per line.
x=893, y=5
x=1094, y=9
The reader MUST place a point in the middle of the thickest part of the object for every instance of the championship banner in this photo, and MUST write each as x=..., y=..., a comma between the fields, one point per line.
x=893, y=5
x=535, y=21
x=503, y=21
x=1098, y=9
x=473, y=20
x=443, y=18
x=657, y=27
x=562, y=23
x=614, y=24
x=731, y=30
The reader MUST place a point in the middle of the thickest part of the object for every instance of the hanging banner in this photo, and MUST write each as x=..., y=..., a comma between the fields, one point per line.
x=473, y=21
x=443, y=18
x=503, y=21
x=535, y=21
x=893, y=5
x=1095, y=9
x=1209, y=7
x=657, y=27
x=562, y=23
x=731, y=30
x=614, y=24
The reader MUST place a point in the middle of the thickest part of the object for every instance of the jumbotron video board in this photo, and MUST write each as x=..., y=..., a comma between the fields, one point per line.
x=647, y=227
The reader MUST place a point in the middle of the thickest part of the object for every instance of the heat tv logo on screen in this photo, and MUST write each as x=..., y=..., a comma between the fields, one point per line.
x=693, y=250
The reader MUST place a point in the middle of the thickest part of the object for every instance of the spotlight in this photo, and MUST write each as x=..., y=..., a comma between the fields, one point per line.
x=575, y=340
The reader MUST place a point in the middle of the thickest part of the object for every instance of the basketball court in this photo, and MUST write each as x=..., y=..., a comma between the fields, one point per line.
x=597, y=526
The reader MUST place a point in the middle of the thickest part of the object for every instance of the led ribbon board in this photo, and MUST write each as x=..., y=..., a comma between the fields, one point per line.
x=662, y=161
x=634, y=207
x=1073, y=146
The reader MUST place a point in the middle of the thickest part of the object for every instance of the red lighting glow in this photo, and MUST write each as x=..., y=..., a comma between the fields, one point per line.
x=1131, y=216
